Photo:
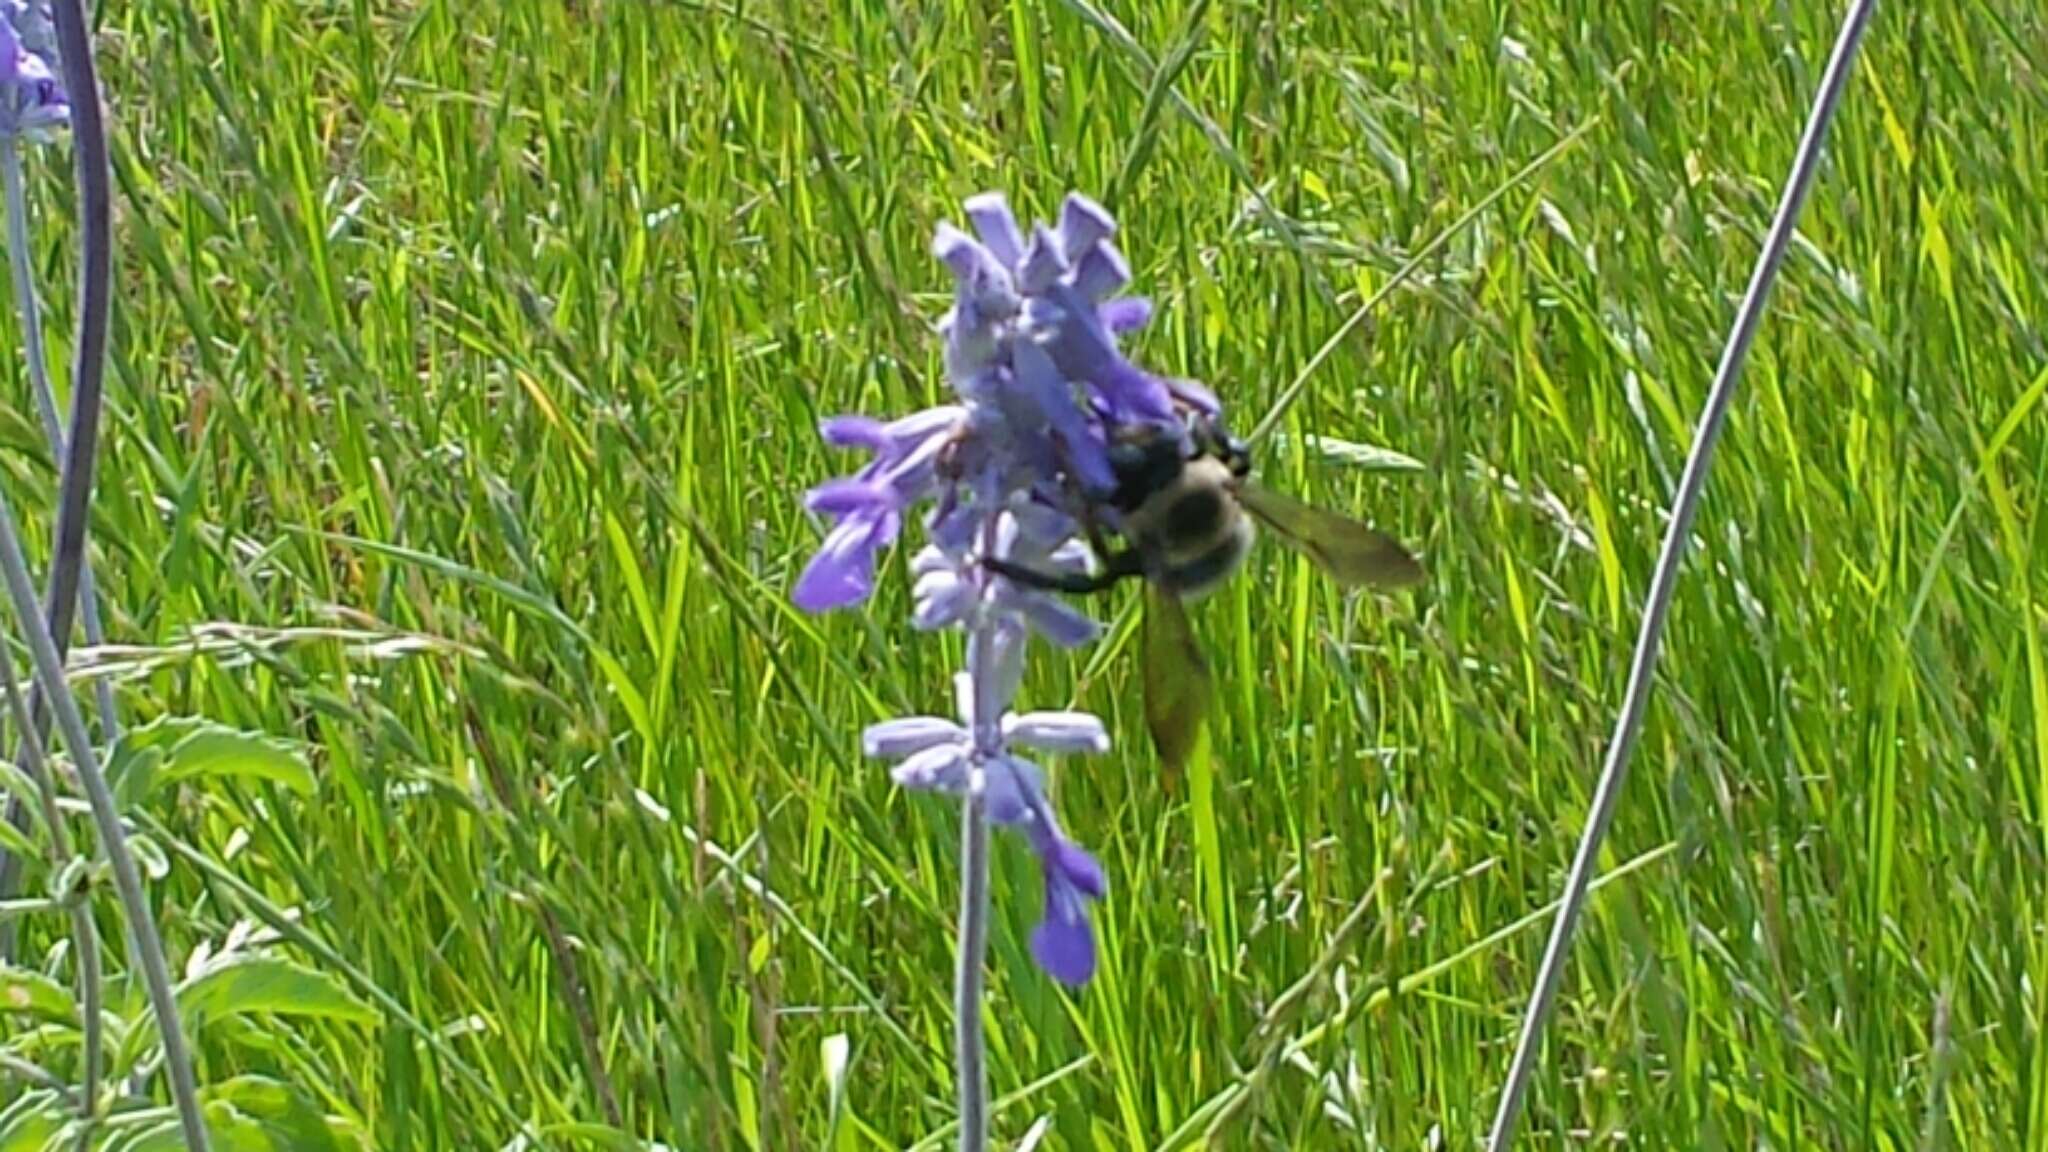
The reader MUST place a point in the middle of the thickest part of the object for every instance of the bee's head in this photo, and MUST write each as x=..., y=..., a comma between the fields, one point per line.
x=1211, y=438
x=1145, y=458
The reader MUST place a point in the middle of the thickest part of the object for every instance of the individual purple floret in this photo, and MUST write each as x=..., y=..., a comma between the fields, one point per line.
x=1031, y=355
x=33, y=104
x=1062, y=943
x=870, y=504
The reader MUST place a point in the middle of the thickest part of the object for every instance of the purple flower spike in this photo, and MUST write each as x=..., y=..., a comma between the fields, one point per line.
x=939, y=769
x=1057, y=731
x=848, y=496
x=1056, y=620
x=1082, y=348
x=1014, y=789
x=1129, y=395
x=920, y=427
x=1192, y=394
x=897, y=739
x=942, y=599
x=981, y=277
x=854, y=432
x=869, y=505
x=1038, y=378
x=1009, y=470
x=34, y=24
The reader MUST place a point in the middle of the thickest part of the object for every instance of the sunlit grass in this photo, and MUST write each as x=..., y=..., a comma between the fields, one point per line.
x=498, y=333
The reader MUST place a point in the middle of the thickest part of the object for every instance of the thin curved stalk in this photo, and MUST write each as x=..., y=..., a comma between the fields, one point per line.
x=30, y=310
x=95, y=305
x=1636, y=697
x=80, y=447
x=34, y=731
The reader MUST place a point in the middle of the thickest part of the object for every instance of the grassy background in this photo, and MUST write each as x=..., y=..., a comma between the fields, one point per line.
x=465, y=376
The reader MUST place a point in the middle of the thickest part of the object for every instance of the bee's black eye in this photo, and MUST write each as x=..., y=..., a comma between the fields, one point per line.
x=1143, y=467
x=1126, y=459
x=1237, y=455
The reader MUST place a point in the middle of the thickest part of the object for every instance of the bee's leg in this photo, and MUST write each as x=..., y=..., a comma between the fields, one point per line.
x=1099, y=544
x=1115, y=566
x=1091, y=525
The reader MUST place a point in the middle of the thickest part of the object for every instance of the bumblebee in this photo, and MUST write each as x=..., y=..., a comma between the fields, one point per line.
x=1188, y=512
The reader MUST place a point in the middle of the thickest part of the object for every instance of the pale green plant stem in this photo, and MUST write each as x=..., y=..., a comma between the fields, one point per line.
x=149, y=948
x=969, y=1049
x=970, y=976
x=84, y=934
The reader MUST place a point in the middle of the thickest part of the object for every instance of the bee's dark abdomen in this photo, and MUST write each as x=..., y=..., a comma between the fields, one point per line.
x=1192, y=574
x=1194, y=515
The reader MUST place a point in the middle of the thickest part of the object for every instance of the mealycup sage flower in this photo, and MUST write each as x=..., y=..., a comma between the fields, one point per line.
x=1040, y=387
x=33, y=104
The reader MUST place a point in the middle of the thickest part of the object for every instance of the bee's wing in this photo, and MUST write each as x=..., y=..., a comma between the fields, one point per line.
x=1345, y=548
x=1176, y=680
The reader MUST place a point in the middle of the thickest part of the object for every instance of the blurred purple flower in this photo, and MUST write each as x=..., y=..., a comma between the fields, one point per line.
x=1031, y=355
x=949, y=587
x=33, y=104
x=33, y=24
x=1127, y=314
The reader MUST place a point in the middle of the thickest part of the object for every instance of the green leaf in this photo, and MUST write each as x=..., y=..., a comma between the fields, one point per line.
x=19, y=435
x=229, y=1130
x=244, y=985
x=269, y=984
x=132, y=772
x=588, y=1135
x=13, y=841
x=15, y=780
x=29, y=1124
x=34, y=994
x=174, y=748
x=216, y=751
x=285, y=1113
